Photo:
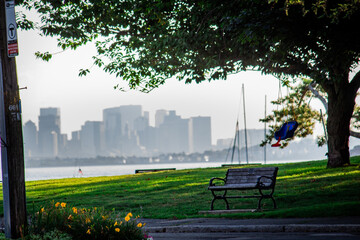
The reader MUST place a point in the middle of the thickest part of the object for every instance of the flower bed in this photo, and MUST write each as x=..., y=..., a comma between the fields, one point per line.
x=70, y=222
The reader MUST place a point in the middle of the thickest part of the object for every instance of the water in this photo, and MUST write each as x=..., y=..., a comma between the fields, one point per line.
x=45, y=173
x=108, y=170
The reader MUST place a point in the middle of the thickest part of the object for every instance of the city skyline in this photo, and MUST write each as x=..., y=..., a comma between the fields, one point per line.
x=123, y=131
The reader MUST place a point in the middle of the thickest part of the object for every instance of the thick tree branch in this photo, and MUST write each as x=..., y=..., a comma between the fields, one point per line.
x=317, y=95
x=355, y=134
x=355, y=83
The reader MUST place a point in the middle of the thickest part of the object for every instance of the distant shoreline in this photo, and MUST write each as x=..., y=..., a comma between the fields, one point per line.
x=44, y=163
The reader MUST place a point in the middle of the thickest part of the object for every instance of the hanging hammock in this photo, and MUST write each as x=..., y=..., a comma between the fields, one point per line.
x=287, y=130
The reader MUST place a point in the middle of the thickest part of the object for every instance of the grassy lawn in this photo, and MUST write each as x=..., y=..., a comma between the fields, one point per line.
x=305, y=189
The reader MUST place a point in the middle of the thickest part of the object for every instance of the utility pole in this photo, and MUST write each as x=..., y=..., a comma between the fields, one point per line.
x=12, y=154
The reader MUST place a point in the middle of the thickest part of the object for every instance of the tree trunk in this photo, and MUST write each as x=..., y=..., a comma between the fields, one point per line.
x=341, y=102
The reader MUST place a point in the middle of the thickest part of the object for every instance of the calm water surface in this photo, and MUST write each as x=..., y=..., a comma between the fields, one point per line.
x=114, y=170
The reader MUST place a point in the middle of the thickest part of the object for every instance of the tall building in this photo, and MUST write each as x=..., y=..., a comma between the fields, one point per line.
x=30, y=140
x=199, y=134
x=92, y=138
x=74, y=145
x=49, y=132
x=159, y=117
x=112, y=125
x=174, y=134
x=119, y=123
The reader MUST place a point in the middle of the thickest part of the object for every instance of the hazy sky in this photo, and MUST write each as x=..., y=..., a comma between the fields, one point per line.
x=56, y=84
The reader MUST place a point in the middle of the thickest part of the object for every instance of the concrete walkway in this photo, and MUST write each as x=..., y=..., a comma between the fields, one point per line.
x=216, y=225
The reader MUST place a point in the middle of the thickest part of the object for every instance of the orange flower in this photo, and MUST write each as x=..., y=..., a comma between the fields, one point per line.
x=42, y=210
x=75, y=210
x=139, y=225
x=88, y=231
x=117, y=229
x=57, y=204
x=63, y=204
x=127, y=218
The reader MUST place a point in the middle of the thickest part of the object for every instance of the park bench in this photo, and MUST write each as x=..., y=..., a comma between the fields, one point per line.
x=153, y=170
x=260, y=179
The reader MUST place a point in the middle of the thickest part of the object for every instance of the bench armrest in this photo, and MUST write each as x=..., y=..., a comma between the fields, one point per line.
x=215, y=178
x=261, y=184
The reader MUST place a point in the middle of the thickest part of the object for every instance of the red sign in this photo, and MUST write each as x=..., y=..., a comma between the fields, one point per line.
x=13, y=49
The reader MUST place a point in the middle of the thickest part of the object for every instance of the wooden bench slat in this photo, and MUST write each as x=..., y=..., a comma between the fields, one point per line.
x=252, y=169
x=237, y=173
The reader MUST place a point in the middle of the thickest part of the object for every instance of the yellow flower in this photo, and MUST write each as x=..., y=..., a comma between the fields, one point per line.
x=115, y=224
x=75, y=210
x=63, y=204
x=117, y=229
x=87, y=220
x=70, y=217
x=57, y=204
x=42, y=210
x=139, y=225
x=127, y=218
x=88, y=231
x=130, y=214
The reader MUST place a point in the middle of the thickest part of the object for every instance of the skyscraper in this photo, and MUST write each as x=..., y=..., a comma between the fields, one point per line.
x=159, y=117
x=49, y=131
x=174, y=134
x=199, y=134
x=92, y=138
x=119, y=123
x=30, y=139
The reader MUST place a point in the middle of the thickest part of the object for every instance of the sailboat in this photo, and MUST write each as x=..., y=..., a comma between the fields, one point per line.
x=236, y=141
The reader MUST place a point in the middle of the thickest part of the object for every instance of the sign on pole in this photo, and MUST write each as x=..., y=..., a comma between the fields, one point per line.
x=12, y=43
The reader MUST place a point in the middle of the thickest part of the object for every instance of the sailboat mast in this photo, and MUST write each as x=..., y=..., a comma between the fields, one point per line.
x=236, y=138
x=265, y=134
x=246, y=145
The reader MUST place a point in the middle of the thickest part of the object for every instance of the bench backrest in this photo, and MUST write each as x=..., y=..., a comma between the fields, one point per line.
x=250, y=175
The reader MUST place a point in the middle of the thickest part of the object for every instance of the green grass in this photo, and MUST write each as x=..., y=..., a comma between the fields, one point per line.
x=306, y=189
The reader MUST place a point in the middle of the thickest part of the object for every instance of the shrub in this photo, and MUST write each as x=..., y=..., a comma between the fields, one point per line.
x=52, y=235
x=81, y=223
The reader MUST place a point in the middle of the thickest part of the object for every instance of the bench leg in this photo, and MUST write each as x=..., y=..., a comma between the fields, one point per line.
x=219, y=197
x=259, y=203
x=266, y=196
x=273, y=202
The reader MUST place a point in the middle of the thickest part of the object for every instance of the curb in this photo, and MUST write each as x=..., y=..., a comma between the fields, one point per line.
x=343, y=228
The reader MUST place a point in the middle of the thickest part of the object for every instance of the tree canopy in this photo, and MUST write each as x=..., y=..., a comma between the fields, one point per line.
x=147, y=42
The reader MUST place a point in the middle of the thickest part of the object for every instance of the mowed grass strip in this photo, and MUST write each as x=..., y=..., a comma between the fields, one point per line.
x=306, y=189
